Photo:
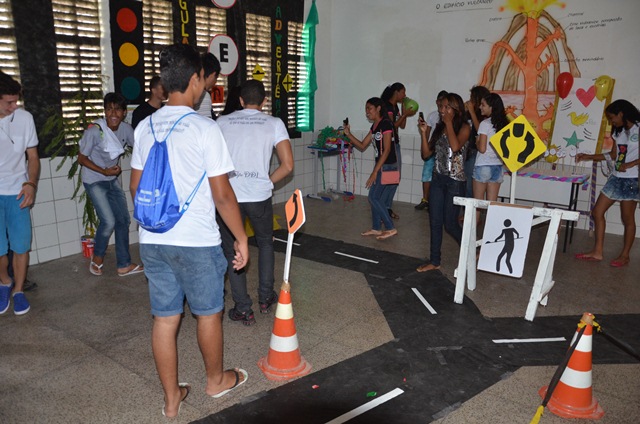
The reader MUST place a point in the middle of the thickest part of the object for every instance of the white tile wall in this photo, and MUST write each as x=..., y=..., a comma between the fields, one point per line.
x=46, y=236
x=42, y=214
x=68, y=232
x=49, y=254
x=66, y=209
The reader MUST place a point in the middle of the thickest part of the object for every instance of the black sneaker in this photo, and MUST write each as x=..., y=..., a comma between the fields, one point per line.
x=265, y=307
x=29, y=285
x=246, y=318
x=422, y=205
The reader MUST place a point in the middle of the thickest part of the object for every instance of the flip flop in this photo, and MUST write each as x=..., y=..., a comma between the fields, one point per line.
x=237, y=384
x=617, y=264
x=386, y=234
x=371, y=233
x=427, y=267
x=137, y=270
x=585, y=257
x=181, y=385
x=98, y=270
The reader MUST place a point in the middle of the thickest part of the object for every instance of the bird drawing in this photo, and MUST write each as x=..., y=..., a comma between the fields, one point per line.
x=578, y=120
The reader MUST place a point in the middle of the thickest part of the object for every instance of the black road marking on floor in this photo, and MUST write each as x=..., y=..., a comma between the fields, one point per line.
x=440, y=361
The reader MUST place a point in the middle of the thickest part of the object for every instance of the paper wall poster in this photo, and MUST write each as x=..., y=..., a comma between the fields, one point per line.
x=578, y=120
x=505, y=240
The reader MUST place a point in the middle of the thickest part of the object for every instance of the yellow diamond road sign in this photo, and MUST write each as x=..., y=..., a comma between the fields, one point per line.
x=287, y=82
x=258, y=73
x=517, y=144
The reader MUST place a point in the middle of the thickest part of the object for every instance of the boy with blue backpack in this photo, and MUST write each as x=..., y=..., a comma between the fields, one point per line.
x=180, y=243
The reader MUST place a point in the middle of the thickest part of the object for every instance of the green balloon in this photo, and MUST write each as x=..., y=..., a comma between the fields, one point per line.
x=410, y=104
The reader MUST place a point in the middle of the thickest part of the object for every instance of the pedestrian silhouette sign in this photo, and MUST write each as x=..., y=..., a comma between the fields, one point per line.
x=294, y=210
x=505, y=239
x=517, y=144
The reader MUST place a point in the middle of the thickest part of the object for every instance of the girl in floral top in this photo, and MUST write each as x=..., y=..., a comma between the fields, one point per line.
x=448, y=143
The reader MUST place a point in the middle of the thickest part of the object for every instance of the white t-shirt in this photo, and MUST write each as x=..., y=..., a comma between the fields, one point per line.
x=195, y=145
x=490, y=156
x=432, y=120
x=93, y=145
x=204, y=106
x=628, y=151
x=251, y=137
x=17, y=134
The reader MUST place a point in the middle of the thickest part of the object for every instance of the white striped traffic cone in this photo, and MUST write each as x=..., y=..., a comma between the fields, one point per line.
x=572, y=397
x=284, y=360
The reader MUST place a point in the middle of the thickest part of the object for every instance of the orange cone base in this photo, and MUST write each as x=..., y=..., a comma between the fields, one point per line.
x=593, y=411
x=276, y=374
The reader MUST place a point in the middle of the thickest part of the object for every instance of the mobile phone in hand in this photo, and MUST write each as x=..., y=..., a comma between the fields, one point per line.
x=346, y=121
x=421, y=115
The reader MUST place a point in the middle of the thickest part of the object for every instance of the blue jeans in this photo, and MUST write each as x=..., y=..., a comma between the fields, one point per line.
x=377, y=194
x=176, y=272
x=261, y=216
x=469, y=164
x=390, y=194
x=442, y=212
x=111, y=207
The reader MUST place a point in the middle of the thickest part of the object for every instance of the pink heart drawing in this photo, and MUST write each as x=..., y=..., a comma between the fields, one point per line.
x=586, y=97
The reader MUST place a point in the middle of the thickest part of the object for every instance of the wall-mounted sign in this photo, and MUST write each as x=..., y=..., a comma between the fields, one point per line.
x=224, y=48
x=126, y=36
x=224, y=4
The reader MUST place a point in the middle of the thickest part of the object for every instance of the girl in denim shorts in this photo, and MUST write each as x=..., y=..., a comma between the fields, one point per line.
x=622, y=184
x=487, y=172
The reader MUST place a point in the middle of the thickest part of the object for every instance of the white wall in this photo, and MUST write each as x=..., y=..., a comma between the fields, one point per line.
x=364, y=45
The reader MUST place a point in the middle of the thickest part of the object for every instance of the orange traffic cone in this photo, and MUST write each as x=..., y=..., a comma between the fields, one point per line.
x=572, y=397
x=284, y=360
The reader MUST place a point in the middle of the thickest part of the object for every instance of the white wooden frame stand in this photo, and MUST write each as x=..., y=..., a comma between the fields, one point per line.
x=543, y=282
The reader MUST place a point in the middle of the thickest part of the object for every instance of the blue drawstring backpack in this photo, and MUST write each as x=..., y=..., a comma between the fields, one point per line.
x=156, y=205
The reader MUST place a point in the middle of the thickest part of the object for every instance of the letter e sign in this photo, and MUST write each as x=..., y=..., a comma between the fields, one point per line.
x=224, y=48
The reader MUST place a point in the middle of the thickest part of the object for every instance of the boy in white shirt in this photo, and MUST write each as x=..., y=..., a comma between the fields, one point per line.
x=251, y=137
x=187, y=260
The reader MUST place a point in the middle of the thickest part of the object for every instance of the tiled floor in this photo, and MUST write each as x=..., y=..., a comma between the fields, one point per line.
x=82, y=355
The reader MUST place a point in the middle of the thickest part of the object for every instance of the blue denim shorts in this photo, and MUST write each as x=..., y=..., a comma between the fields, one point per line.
x=176, y=272
x=488, y=173
x=15, y=226
x=427, y=169
x=621, y=189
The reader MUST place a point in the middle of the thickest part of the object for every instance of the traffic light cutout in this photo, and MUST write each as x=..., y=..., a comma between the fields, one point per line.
x=127, y=46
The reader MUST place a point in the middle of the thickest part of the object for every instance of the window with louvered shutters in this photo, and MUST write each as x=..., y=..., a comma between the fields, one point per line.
x=8, y=49
x=158, y=33
x=77, y=29
x=211, y=21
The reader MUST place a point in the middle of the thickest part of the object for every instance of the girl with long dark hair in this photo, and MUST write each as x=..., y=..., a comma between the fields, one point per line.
x=622, y=184
x=394, y=95
x=448, y=143
x=488, y=170
x=381, y=136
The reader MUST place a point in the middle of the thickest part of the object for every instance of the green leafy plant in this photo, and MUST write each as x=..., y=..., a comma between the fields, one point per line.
x=65, y=131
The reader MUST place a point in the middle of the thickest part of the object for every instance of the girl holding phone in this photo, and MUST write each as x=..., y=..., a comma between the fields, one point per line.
x=381, y=137
x=448, y=144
